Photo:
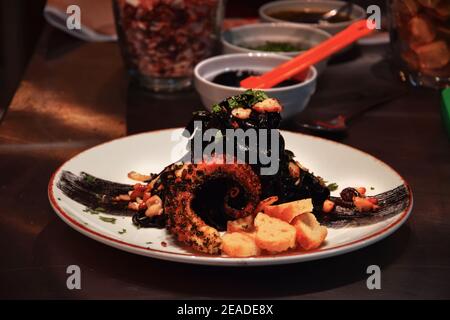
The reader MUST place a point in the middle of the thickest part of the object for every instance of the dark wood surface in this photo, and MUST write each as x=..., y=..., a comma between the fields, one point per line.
x=75, y=95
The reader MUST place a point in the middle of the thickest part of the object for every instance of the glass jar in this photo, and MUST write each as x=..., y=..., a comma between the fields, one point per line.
x=420, y=40
x=162, y=40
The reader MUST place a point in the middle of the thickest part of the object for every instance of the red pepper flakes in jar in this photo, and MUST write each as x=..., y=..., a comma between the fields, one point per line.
x=166, y=38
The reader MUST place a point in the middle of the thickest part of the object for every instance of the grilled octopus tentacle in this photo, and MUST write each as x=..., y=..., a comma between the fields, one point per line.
x=187, y=224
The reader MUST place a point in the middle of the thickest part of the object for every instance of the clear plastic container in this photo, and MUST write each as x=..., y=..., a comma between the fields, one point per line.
x=420, y=40
x=162, y=40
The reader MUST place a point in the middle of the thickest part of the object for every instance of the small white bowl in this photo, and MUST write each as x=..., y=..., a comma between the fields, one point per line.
x=293, y=98
x=254, y=34
x=358, y=13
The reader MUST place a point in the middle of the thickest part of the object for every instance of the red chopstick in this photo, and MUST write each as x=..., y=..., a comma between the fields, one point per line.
x=303, y=61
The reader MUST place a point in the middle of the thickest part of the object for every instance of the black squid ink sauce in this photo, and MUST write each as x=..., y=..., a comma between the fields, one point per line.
x=233, y=78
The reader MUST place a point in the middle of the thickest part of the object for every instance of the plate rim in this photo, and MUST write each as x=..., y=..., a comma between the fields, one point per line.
x=191, y=258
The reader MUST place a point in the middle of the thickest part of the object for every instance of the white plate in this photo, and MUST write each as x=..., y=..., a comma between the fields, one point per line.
x=151, y=152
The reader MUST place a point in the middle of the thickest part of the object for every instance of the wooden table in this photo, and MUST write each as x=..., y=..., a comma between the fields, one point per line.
x=75, y=95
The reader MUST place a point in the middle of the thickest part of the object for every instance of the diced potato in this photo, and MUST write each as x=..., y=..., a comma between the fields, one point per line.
x=241, y=225
x=310, y=234
x=268, y=105
x=434, y=55
x=421, y=30
x=241, y=113
x=288, y=211
x=138, y=176
x=239, y=245
x=274, y=235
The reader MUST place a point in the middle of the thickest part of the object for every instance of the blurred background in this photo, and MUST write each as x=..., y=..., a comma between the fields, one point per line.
x=22, y=21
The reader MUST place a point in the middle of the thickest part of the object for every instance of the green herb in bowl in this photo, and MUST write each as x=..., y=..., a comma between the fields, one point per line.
x=272, y=46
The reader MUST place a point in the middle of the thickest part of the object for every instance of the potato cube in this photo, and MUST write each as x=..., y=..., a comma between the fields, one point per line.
x=310, y=234
x=274, y=235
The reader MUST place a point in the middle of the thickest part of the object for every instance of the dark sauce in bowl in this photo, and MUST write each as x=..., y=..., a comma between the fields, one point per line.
x=306, y=16
x=233, y=78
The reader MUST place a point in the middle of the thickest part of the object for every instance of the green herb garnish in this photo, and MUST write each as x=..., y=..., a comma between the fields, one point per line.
x=216, y=108
x=122, y=231
x=89, y=178
x=94, y=211
x=332, y=186
x=107, y=219
x=272, y=46
x=257, y=96
x=247, y=99
x=91, y=211
x=234, y=102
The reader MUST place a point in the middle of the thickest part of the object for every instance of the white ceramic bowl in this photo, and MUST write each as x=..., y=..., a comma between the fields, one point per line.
x=234, y=39
x=358, y=12
x=293, y=98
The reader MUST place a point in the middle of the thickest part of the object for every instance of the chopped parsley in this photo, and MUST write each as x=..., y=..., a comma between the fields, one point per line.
x=89, y=178
x=107, y=219
x=94, y=211
x=122, y=231
x=255, y=96
x=91, y=211
x=332, y=186
x=216, y=108
x=234, y=102
x=246, y=99
x=278, y=47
